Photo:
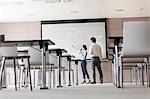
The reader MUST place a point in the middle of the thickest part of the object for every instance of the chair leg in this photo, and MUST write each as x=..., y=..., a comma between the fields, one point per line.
x=73, y=77
x=146, y=74
x=26, y=79
x=131, y=76
x=29, y=74
x=24, y=76
x=53, y=76
x=15, y=74
x=19, y=76
x=1, y=71
x=121, y=73
x=34, y=77
x=139, y=76
x=136, y=75
x=142, y=75
x=64, y=78
x=50, y=75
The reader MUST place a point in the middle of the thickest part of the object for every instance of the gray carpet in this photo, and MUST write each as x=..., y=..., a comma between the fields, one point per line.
x=98, y=91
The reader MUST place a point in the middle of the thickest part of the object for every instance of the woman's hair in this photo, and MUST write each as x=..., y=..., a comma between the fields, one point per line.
x=84, y=46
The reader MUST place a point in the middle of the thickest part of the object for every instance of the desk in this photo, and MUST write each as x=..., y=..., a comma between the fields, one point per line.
x=59, y=52
x=43, y=46
x=68, y=56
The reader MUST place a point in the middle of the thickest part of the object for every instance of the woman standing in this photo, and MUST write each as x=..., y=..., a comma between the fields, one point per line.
x=83, y=53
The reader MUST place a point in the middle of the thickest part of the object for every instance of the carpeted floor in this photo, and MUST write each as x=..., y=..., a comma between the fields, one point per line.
x=98, y=91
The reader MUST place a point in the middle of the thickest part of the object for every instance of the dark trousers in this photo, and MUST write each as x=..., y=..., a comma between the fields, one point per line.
x=84, y=69
x=96, y=63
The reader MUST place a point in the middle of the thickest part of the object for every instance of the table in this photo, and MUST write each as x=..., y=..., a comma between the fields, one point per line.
x=68, y=56
x=43, y=46
x=59, y=52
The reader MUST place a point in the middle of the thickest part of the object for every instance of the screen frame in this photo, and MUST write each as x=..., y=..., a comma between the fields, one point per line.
x=44, y=22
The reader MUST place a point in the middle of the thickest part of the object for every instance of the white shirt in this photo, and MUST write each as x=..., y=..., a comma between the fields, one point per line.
x=95, y=50
x=83, y=54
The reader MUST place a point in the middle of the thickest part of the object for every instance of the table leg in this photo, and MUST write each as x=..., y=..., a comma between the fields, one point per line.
x=69, y=73
x=59, y=71
x=77, y=74
x=43, y=69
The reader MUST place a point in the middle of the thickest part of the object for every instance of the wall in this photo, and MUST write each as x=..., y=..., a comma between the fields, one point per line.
x=21, y=30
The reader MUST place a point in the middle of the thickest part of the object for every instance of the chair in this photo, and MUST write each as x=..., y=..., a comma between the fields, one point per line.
x=36, y=63
x=22, y=68
x=10, y=57
x=136, y=43
x=135, y=66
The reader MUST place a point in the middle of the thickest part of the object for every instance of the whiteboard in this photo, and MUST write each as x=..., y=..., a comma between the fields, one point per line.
x=72, y=36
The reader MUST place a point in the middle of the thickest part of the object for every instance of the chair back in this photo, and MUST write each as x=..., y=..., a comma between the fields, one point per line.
x=136, y=36
x=9, y=51
x=36, y=56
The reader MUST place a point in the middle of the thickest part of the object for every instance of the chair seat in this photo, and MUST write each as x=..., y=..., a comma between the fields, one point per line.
x=17, y=57
x=133, y=60
x=127, y=68
x=129, y=64
x=68, y=70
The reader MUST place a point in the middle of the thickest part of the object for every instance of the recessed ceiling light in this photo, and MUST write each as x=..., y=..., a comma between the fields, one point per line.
x=18, y=2
x=74, y=11
x=141, y=9
x=37, y=0
x=119, y=10
x=31, y=14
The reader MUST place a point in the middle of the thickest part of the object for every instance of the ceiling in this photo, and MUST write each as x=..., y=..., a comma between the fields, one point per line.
x=37, y=10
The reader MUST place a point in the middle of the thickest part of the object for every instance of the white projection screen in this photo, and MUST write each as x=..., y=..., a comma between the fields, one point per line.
x=71, y=35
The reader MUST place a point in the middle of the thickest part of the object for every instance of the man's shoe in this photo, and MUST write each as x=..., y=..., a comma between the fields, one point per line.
x=93, y=82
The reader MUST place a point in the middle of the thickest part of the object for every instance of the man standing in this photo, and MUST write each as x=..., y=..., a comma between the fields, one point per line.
x=96, y=56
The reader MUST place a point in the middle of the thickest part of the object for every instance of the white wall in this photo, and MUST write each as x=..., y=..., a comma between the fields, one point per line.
x=21, y=30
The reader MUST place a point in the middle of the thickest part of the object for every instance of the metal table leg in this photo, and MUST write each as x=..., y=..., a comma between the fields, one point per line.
x=43, y=69
x=59, y=72
x=69, y=73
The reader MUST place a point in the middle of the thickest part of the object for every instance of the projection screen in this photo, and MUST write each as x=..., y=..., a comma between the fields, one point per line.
x=71, y=35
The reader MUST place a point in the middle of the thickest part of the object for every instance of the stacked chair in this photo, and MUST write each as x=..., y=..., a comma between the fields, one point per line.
x=9, y=58
x=136, y=49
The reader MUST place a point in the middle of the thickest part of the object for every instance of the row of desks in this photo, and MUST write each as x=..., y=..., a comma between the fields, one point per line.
x=44, y=47
x=59, y=52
